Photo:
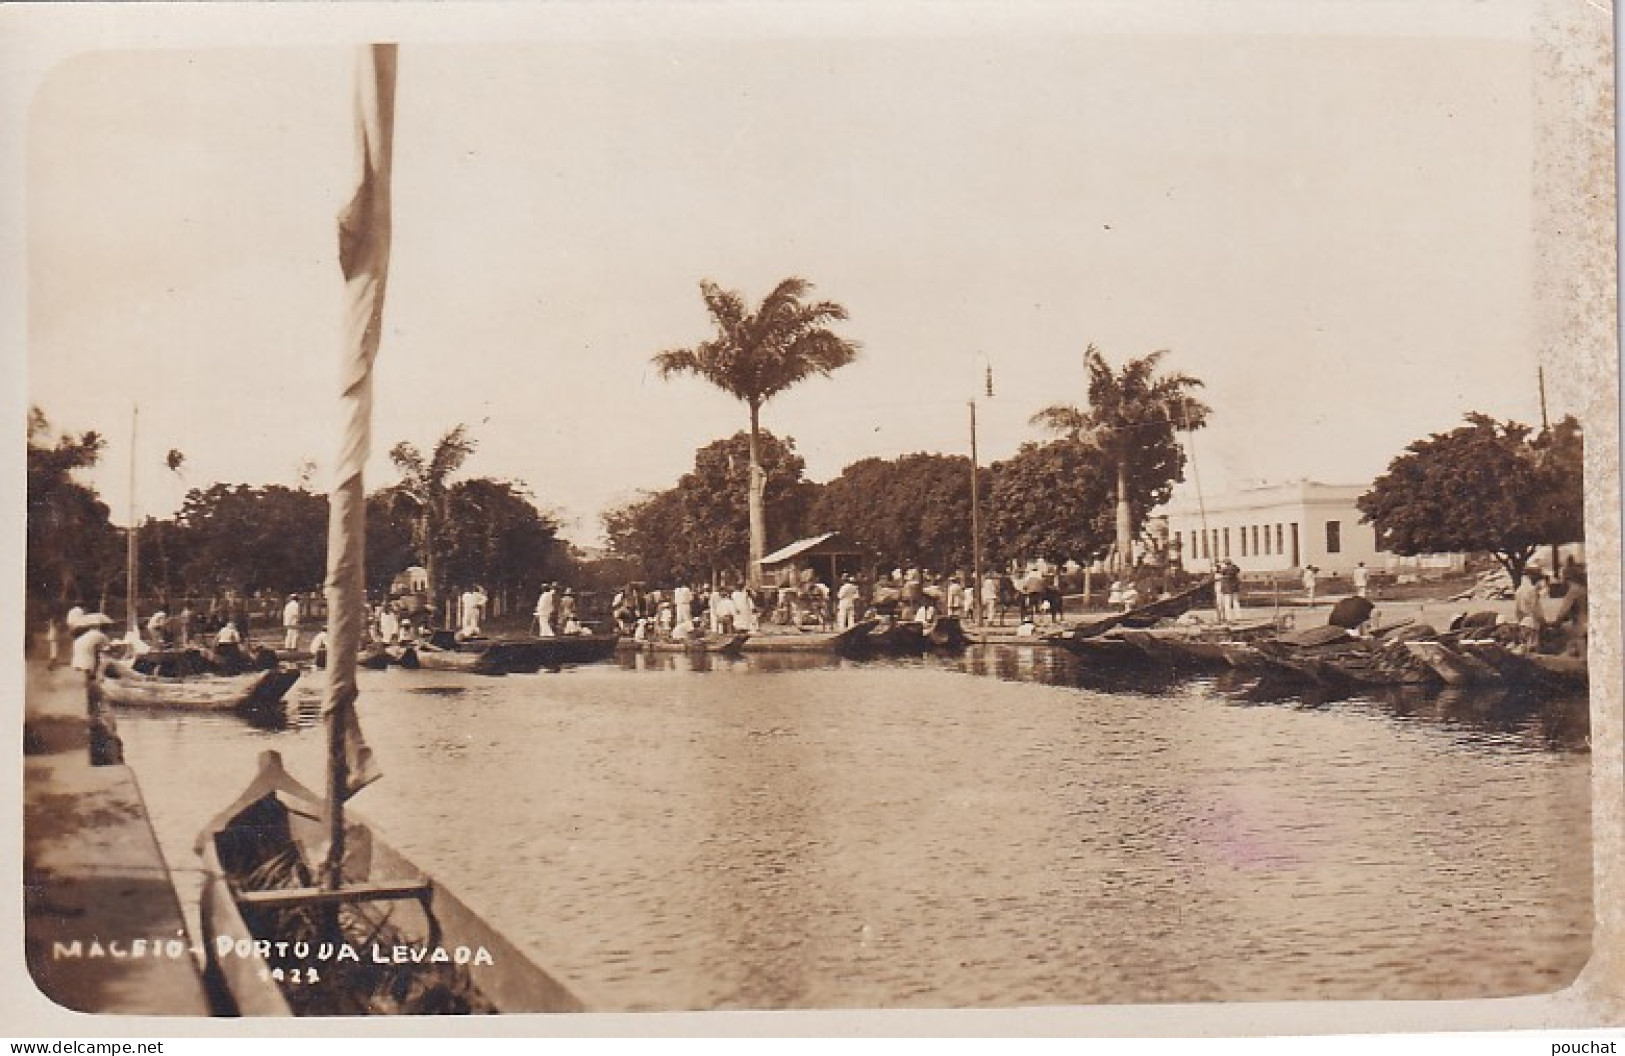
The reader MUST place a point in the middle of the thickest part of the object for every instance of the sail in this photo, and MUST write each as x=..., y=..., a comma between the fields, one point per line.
x=364, y=235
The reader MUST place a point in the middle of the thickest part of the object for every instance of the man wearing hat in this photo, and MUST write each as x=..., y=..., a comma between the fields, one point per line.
x=89, y=642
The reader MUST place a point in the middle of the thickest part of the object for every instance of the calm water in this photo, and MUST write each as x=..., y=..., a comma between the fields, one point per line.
x=995, y=830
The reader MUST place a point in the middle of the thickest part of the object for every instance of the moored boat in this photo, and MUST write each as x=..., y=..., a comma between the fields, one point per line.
x=528, y=655
x=1455, y=667
x=407, y=944
x=253, y=693
x=847, y=642
x=721, y=644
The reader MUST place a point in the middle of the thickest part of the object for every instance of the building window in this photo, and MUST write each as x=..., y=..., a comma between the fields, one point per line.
x=1227, y=542
x=1334, y=537
x=1280, y=547
x=1243, y=540
x=1255, y=539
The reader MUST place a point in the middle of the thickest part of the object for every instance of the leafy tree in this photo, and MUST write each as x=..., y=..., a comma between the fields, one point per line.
x=716, y=524
x=389, y=539
x=1130, y=421
x=912, y=510
x=1053, y=501
x=424, y=488
x=648, y=534
x=72, y=547
x=754, y=357
x=248, y=539
x=496, y=537
x=1484, y=486
x=701, y=527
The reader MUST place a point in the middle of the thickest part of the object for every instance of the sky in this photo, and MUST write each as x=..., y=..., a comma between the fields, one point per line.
x=1326, y=220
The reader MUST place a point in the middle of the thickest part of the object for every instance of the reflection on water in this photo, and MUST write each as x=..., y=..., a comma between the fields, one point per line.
x=1006, y=827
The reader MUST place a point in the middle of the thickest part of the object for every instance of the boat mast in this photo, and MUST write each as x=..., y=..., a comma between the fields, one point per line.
x=131, y=547
x=364, y=236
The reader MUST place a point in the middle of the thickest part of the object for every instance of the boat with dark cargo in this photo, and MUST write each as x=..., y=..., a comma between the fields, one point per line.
x=401, y=942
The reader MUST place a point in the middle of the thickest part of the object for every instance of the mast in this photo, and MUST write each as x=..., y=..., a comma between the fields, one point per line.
x=975, y=522
x=131, y=545
x=364, y=237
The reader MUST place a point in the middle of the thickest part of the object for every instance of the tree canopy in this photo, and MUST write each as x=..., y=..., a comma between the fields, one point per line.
x=1053, y=501
x=908, y=511
x=700, y=527
x=1484, y=486
x=73, y=550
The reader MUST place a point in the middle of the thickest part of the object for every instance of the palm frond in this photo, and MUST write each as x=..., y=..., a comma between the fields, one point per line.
x=450, y=452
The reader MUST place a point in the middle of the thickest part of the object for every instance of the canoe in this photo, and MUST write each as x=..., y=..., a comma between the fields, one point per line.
x=898, y=638
x=1102, y=649
x=1149, y=614
x=847, y=642
x=252, y=693
x=946, y=634
x=432, y=955
x=528, y=655
x=486, y=661
x=722, y=644
x=1455, y=667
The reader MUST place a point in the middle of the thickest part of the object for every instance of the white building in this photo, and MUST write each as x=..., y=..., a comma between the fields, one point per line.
x=1278, y=527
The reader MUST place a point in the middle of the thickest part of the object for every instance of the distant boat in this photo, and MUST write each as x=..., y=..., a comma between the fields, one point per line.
x=720, y=644
x=1147, y=615
x=848, y=642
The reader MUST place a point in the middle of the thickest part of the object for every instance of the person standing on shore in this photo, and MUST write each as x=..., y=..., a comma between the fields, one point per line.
x=1362, y=580
x=1309, y=582
x=744, y=610
x=1527, y=609
x=544, y=612
x=106, y=749
x=846, y=604
x=290, y=623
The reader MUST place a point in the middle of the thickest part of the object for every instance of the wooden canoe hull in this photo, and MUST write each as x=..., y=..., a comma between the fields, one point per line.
x=849, y=640
x=722, y=644
x=504, y=975
x=252, y=691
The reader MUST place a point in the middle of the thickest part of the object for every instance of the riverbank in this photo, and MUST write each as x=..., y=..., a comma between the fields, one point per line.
x=103, y=929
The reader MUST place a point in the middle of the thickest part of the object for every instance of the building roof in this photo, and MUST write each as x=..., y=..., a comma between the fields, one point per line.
x=828, y=543
x=1262, y=496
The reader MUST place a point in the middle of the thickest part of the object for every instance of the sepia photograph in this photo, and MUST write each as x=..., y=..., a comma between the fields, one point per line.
x=1100, y=515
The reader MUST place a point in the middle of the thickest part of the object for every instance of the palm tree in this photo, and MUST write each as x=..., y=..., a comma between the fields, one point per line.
x=423, y=488
x=757, y=355
x=1129, y=411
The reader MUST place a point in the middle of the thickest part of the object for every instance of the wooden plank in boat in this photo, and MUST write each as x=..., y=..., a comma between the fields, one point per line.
x=279, y=898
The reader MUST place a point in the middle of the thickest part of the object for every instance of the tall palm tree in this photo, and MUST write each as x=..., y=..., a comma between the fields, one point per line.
x=757, y=355
x=1129, y=410
x=423, y=488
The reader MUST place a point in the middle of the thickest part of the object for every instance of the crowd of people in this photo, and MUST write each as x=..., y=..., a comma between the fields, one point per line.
x=803, y=600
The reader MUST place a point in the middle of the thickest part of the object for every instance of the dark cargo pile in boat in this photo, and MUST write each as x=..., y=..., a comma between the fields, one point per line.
x=259, y=853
